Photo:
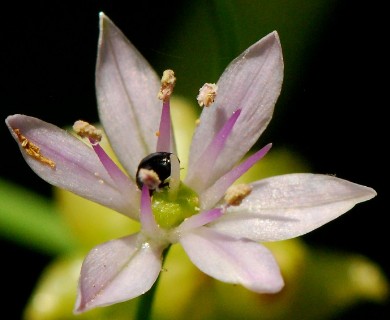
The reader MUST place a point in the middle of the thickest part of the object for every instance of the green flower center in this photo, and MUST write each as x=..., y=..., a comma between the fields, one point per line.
x=168, y=212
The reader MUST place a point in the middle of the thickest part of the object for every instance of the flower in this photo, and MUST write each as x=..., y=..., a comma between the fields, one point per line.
x=219, y=226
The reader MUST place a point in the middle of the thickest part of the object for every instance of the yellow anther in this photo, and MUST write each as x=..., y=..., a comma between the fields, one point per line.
x=207, y=94
x=168, y=82
x=86, y=130
x=236, y=193
x=33, y=150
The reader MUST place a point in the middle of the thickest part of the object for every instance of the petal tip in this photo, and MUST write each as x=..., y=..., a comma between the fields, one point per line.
x=10, y=118
x=274, y=39
x=275, y=34
x=103, y=18
x=79, y=306
x=105, y=24
x=371, y=193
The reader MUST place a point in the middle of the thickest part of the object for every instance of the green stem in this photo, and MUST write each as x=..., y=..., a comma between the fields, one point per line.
x=145, y=303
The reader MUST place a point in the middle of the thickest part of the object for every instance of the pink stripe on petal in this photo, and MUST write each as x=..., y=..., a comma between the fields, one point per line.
x=199, y=179
x=212, y=195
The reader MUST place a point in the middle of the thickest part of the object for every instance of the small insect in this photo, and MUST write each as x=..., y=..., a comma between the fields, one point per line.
x=160, y=164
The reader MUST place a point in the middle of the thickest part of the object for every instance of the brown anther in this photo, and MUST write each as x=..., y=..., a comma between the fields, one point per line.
x=149, y=178
x=197, y=122
x=86, y=130
x=207, y=94
x=168, y=82
x=33, y=150
x=157, y=133
x=236, y=193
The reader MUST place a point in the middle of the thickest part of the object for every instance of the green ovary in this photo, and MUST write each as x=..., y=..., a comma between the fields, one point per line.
x=170, y=212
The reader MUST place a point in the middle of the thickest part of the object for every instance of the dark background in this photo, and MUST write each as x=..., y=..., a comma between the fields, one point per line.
x=332, y=112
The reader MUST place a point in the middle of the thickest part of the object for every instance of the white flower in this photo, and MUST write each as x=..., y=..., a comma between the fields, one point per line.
x=221, y=238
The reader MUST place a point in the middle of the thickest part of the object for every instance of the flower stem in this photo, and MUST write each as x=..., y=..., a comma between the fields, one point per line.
x=145, y=303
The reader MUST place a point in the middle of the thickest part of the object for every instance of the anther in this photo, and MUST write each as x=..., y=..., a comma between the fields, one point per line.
x=86, y=130
x=149, y=178
x=33, y=150
x=207, y=94
x=236, y=193
x=168, y=82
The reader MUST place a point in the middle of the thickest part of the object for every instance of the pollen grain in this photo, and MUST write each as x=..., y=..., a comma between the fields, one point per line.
x=236, y=193
x=86, y=130
x=33, y=150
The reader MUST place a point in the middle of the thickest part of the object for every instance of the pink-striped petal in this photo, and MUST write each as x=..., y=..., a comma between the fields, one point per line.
x=116, y=271
x=252, y=83
x=127, y=89
x=77, y=167
x=287, y=206
x=236, y=261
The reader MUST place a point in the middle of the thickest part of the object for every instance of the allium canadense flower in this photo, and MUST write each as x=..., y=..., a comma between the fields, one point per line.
x=219, y=224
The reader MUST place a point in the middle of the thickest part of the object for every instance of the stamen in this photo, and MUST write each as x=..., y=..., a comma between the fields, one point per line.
x=112, y=169
x=86, y=130
x=168, y=82
x=164, y=133
x=212, y=195
x=236, y=193
x=207, y=94
x=147, y=219
x=174, y=181
x=149, y=178
x=33, y=150
x=210, y=154
x=94, y=135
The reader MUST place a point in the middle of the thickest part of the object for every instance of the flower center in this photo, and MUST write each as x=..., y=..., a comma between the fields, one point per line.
x=168, y=212
x=172, y=201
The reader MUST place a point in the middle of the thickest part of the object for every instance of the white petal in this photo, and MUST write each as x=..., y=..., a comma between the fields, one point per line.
x=252, y=83
x=116, y=271
x=77, y=167
x=230, y=260
x=127, y=89
x=288, y=206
